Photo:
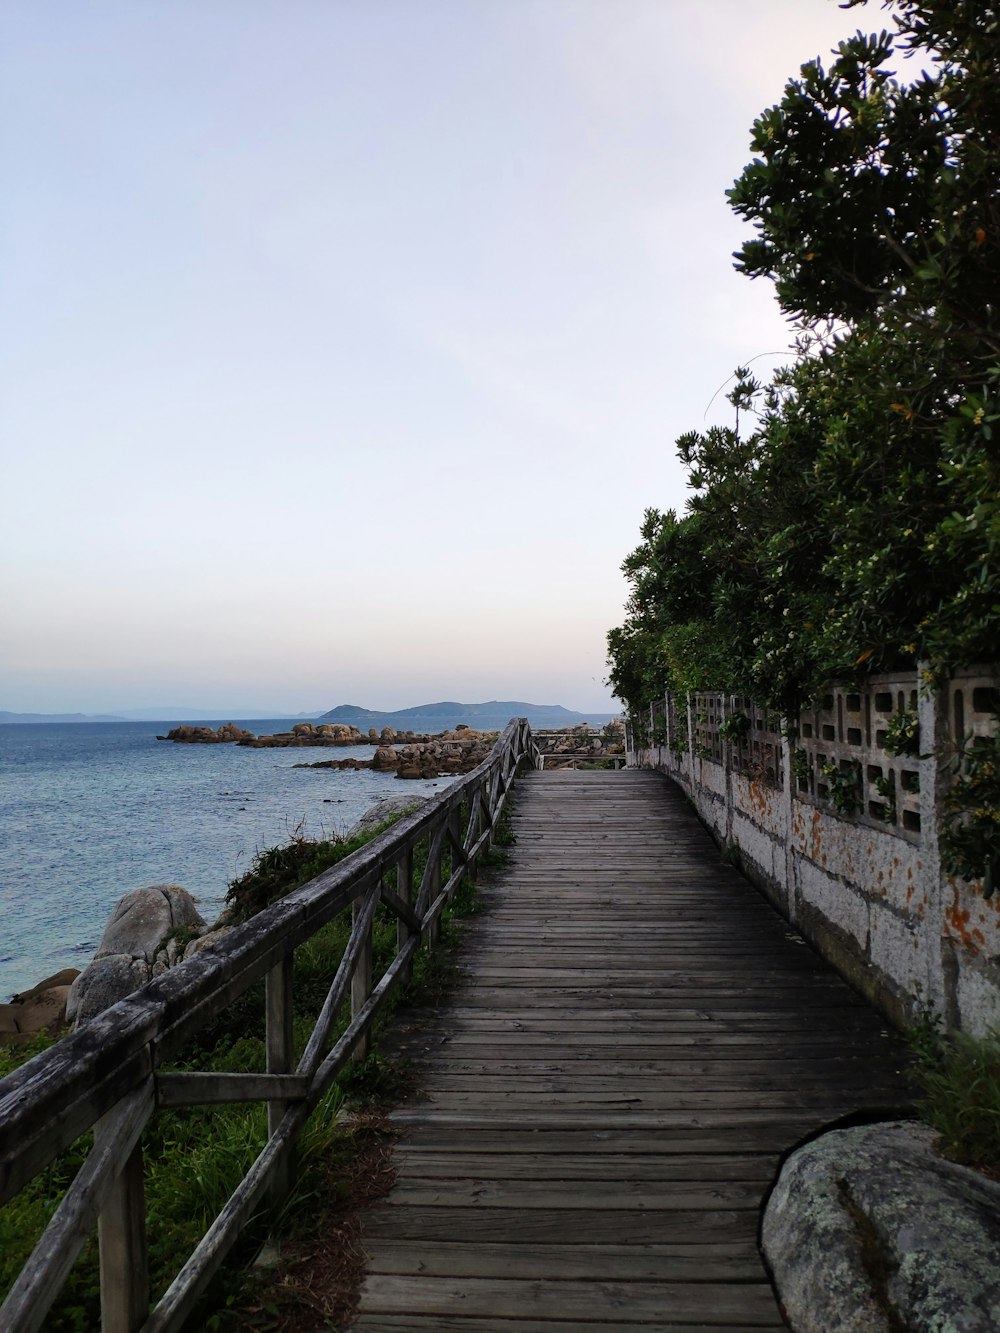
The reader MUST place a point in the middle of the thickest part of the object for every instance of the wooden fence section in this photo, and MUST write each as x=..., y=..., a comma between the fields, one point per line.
x=603, y=1107
x=108, y=1077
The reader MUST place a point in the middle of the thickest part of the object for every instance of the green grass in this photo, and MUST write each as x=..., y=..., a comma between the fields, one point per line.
x=196, y=1156
x=959, y=1079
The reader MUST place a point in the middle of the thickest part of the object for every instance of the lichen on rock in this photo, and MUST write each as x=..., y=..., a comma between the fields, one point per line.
x=870, y=1230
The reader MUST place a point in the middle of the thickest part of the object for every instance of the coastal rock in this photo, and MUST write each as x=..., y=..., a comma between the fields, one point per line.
x=227, y=734
x=385, y=759
x=143, y=919
x=140, y=941
x=106, y=981
x=446, y=755
x=870, y=1230
x=206, y=941
x=308, y=734
x=383, y=810
x=42, y=1008
x=65, y=977
x=44, y=1011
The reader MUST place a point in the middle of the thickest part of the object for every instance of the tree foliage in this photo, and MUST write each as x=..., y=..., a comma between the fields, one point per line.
x=856, y=524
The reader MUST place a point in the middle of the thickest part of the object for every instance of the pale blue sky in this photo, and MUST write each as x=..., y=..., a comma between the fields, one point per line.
x=344, y=343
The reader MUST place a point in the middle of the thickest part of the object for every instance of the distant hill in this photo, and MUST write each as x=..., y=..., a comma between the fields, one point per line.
x=447, y=714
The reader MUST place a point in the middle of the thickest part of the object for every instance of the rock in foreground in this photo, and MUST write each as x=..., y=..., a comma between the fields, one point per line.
x=869, y=1230
x=149, y=931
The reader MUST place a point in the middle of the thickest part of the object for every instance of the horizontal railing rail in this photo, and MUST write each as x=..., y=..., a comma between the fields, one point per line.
x=108, y=1075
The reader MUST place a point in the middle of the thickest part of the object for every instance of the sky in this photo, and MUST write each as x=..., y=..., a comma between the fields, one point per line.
x=343, y=343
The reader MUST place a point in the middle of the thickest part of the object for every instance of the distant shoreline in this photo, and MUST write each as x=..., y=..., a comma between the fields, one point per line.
x=490, y=716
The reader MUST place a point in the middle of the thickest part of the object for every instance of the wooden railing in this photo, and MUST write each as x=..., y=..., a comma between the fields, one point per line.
x=108, y=1076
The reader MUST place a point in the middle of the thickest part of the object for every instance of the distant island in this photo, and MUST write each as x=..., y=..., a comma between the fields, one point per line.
x=447, y=715
x=443, y=716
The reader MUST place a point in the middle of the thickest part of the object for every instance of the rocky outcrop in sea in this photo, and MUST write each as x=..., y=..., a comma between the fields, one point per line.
x=448, y=755
x=303, y=733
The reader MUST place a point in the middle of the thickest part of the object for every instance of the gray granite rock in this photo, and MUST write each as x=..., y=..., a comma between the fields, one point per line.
x=107, y=980
x=869, y=1230
x=143, y=919
x=383, y=810
x=137, y=944
x=206, y=941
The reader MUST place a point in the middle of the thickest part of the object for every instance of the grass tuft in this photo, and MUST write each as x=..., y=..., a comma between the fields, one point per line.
x=959, y=1078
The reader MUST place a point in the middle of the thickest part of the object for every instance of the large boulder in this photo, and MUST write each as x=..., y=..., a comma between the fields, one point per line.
x=870, y=1230
x=42, y=1008
x=143, y=919
x=106, y=981
x=383, y=810
x=144, y=936
x=385, y=759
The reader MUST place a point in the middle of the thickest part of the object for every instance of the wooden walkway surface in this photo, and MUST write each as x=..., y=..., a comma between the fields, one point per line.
x=639, y=1039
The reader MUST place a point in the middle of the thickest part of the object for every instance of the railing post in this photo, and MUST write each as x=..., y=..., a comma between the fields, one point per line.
x=472, y=833
x=433, y=933
x=121, y=1233
x=455, y=837
x=404, y=889
x=361, y=984
x=278, y=1013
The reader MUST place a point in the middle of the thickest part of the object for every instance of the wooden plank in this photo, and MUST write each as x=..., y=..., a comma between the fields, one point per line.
x=203, y=1089
x=437, y=1323
x=750, y=1303
x=538, y=1167
x=709, y=1132
x=734, y=1261
x=538, y=1226
x=462, y=1192
x=638, y=1040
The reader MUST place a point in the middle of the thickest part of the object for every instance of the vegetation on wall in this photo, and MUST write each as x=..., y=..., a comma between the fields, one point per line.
x=849, y=521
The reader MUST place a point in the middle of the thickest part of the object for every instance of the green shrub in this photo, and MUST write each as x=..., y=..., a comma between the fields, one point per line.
x=959, y=1077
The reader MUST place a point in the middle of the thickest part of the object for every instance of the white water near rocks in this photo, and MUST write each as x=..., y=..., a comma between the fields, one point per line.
x=89, y=811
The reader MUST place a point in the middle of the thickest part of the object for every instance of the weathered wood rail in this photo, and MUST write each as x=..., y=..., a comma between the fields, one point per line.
x=108, y=1077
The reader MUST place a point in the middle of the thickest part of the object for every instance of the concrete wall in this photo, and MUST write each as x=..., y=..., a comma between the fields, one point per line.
x=867, y=888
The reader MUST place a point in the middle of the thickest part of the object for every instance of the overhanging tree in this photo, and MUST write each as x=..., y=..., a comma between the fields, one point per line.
x=857, y=524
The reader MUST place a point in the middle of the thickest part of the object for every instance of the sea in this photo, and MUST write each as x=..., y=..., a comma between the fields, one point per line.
x=91, y=810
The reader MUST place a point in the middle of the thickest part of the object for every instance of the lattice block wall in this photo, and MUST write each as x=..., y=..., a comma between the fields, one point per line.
x=845, y=757
x=973, y=701
x=758, y=751
x=708, y=715
x=677, y=723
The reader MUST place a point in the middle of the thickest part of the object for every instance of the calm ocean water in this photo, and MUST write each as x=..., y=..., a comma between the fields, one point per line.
x=89, y=811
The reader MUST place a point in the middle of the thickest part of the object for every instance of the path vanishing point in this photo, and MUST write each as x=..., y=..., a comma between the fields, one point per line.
x=604, y=1103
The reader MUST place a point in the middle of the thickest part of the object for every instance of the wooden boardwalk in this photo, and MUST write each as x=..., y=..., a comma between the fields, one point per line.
x=639, y=1039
